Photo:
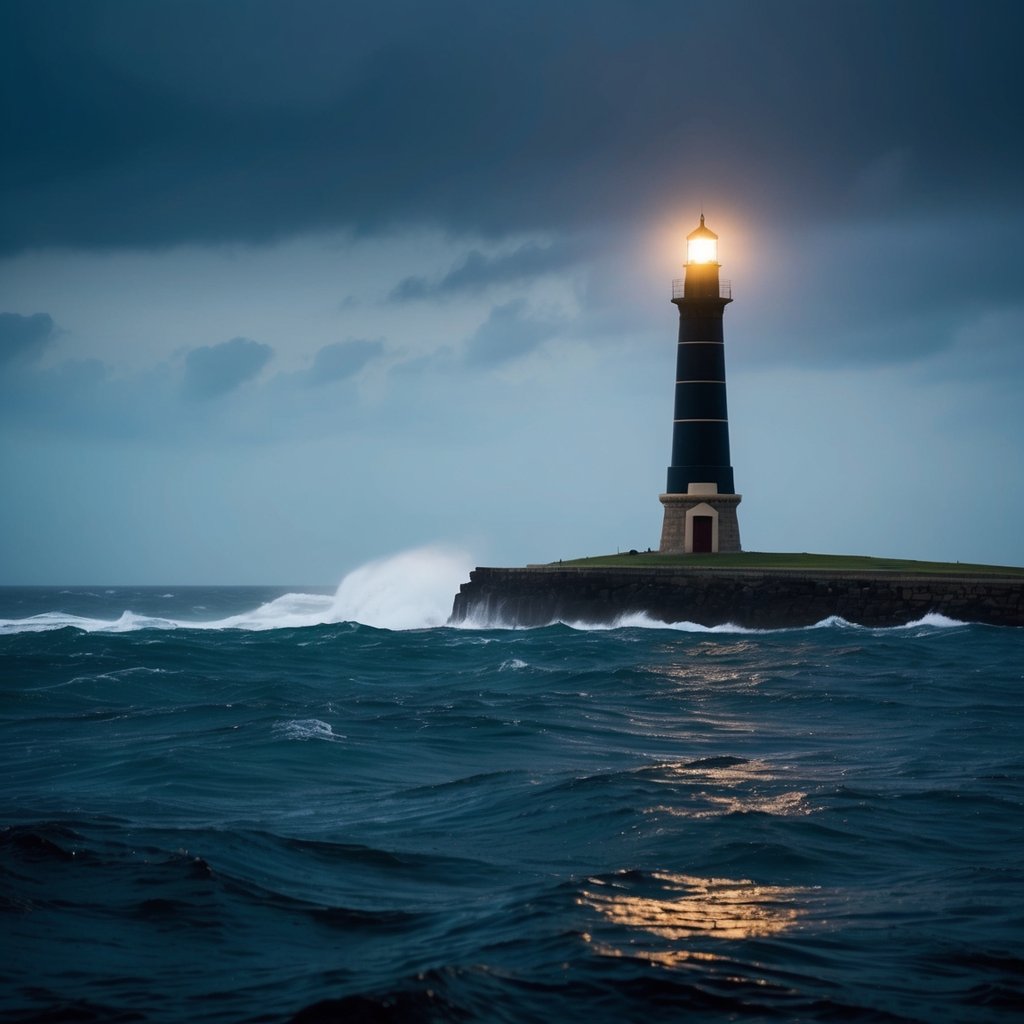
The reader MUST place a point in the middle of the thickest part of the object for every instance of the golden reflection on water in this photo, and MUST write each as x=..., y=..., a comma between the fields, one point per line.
x=714, y=789
x=689, y=906
x=661, y=957
x=780, y=804
x=701, y=672
x=702, y=679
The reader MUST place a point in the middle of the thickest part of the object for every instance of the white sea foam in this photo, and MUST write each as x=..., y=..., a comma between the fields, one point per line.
x=641, y=620
x=934, y=619
x=410, y=590
x=835, y=622
x=306, y=729
x=127, y=622
x=49, y=620
x=290, y=611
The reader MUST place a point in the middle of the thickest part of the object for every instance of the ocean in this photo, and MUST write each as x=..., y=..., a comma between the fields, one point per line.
x=273, y=804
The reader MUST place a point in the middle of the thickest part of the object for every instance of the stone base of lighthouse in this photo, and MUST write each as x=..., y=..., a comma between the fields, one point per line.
x=702, y=520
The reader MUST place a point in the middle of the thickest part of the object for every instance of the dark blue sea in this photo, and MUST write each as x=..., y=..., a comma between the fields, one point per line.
x=270, y=804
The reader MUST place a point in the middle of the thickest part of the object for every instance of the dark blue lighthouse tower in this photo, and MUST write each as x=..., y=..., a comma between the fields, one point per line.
x=700, y=500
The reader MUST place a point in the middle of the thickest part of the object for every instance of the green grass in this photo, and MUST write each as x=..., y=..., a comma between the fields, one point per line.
x=781, y=560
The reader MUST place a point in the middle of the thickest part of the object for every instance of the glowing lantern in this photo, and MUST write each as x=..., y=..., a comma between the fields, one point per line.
x=701, y=245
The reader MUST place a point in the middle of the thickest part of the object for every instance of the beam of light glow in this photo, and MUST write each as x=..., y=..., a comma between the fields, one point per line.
x=701, y=250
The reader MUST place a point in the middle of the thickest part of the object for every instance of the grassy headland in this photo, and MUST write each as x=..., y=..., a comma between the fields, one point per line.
x=759, y=560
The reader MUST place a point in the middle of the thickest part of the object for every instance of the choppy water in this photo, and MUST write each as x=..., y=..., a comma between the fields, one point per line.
x=215, y=809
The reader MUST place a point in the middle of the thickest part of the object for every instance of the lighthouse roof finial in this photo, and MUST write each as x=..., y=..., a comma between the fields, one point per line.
x=701, y=231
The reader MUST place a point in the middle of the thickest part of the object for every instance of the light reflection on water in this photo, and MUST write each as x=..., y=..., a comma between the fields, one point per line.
x=738, y=786
x=686, y=907
x=781, y=804
x=697, y=674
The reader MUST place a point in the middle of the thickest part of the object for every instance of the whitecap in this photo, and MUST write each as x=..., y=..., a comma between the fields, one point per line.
x=835, y=621
x=53, y=620
x=306, y=729
x=934, y=619
x=410, y=590
x=641, y=620
x=289, y=611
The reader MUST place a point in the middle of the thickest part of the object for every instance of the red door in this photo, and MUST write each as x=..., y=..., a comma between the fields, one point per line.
x=701, y=534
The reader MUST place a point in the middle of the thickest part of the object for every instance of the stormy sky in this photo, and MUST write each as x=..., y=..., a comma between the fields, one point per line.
x=285, y=287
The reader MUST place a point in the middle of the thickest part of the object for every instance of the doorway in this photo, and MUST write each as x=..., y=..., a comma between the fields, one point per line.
x=702, y=534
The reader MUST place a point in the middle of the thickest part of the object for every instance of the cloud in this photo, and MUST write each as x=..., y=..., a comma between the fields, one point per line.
x=342, y=359
x=216, y=370
x=76, y=396
x=152, y=124
x=22, y=338
x=477, y=271
x=866, y=295
x=508, y=333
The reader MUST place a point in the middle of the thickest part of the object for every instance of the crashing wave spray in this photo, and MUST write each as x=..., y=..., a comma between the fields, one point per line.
x=410, y=590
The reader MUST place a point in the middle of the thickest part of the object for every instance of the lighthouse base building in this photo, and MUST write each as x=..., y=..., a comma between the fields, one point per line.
x=700, y=521
x=700, y=500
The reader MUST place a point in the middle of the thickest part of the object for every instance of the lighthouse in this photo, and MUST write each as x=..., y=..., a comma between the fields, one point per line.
x=700, y=498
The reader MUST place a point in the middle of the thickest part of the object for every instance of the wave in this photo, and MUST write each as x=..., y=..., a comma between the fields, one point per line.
x=641, y=620
x=410, y=590
x=125, y=623
x=306, y=729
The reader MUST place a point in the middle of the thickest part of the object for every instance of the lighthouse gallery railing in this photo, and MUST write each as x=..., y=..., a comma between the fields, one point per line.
x=679, y=285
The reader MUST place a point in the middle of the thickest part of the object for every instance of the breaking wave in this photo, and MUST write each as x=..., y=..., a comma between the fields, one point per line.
x=411, y=590
x=641, y=620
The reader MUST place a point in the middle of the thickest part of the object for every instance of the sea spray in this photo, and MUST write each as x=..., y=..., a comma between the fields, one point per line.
x=410, y=590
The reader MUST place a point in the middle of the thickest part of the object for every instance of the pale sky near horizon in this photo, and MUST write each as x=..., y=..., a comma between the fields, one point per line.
x=288, y=287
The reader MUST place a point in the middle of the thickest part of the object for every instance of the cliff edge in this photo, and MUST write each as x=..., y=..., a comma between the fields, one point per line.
x=759, y=599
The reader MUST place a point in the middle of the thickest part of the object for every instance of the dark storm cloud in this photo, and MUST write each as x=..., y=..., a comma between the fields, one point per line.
x=215, y=370
x=22, y=338
x=342, y=359
x=866, y=295
x=151, y=124
x=477, y=271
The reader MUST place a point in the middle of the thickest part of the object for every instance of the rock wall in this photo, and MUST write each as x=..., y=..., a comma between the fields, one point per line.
x=768, y=599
